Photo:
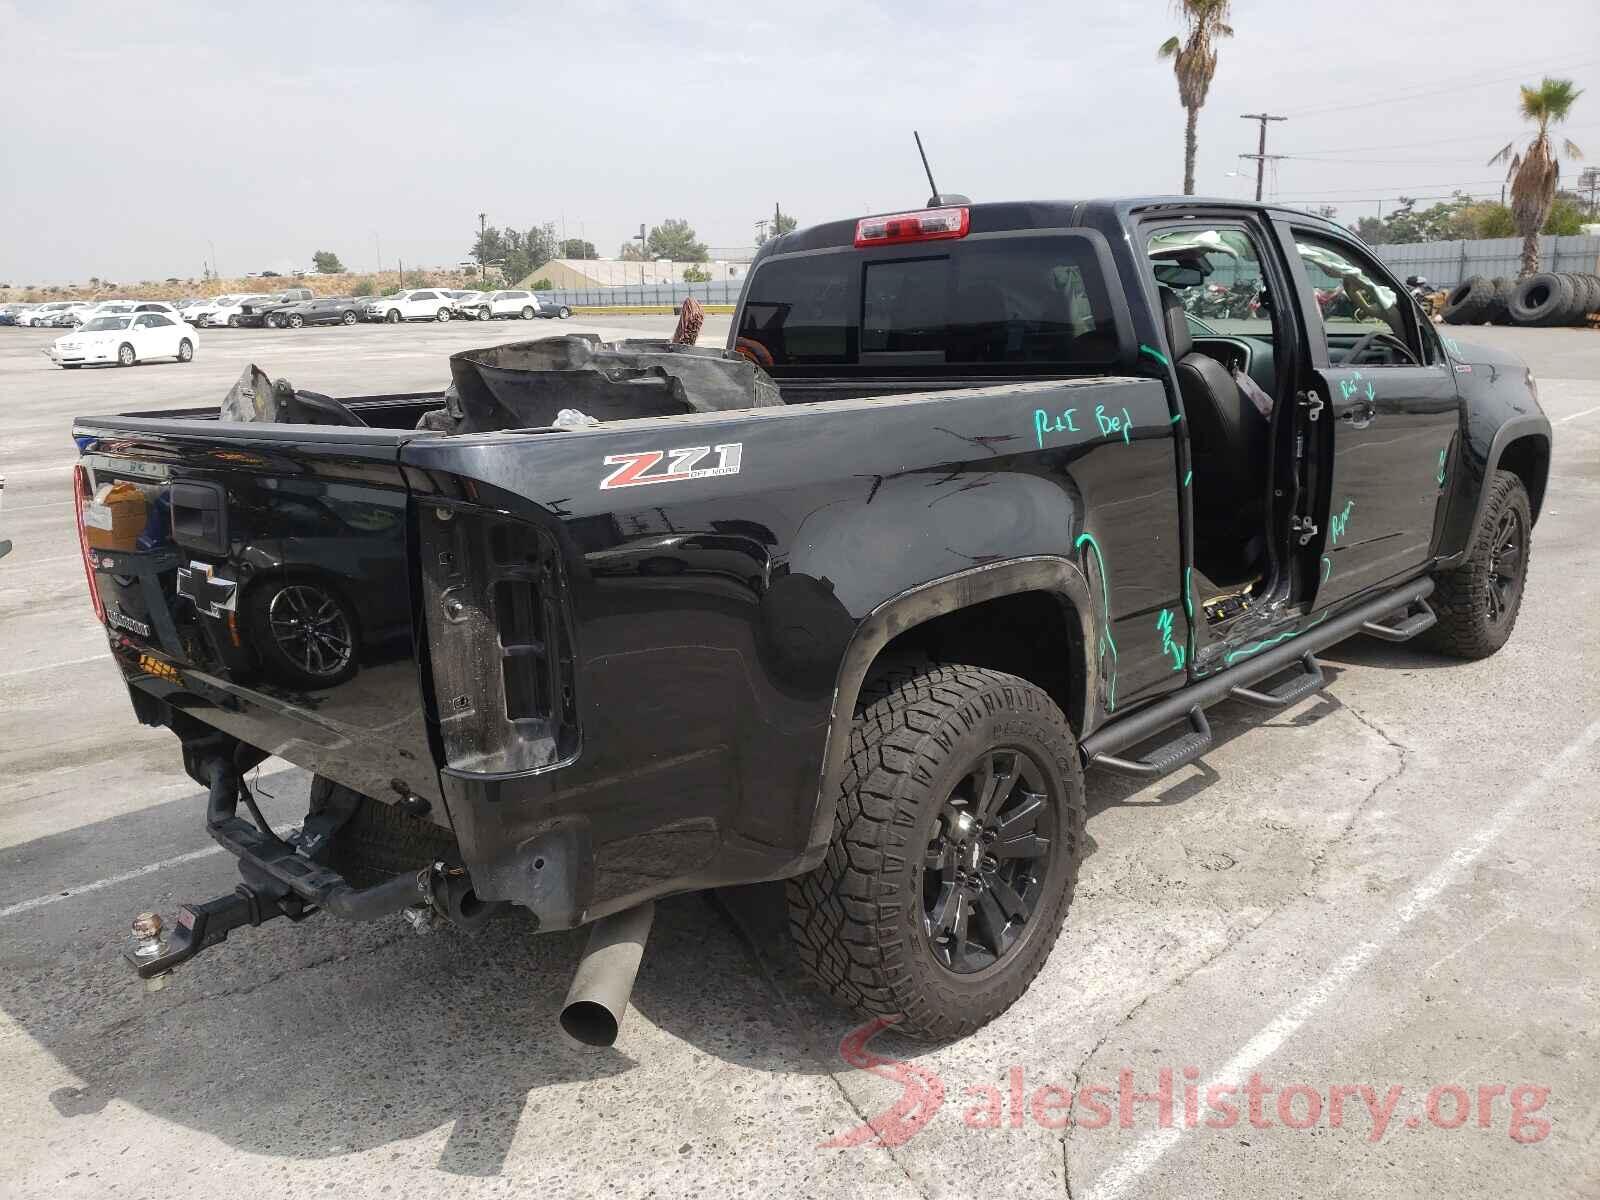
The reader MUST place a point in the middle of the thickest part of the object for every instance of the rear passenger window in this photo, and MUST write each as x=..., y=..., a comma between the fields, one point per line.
x=1015, y=303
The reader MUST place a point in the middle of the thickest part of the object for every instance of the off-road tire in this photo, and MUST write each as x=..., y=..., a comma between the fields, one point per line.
x=381, y=840
x=1468, y=302
x=857, y=918
x=1461, y=596
x=1543, y=299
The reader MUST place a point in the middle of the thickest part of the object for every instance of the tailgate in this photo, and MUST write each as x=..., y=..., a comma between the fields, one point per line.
x=258, y=578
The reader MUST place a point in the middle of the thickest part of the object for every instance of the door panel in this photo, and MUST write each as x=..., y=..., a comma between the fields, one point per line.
x=1390, y=414
x=1390, y=428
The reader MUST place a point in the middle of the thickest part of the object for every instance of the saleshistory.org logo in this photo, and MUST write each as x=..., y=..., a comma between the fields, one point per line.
x=1213, y=1105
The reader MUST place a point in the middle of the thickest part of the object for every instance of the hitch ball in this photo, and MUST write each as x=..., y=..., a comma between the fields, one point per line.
x=148, y=942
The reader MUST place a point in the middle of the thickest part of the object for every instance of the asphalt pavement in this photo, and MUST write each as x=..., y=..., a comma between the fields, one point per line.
x=1357, y=945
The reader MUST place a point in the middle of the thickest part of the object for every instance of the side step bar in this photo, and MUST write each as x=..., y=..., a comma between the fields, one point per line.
x=1407, y=627
x=1291, y=692
x=1100, y=747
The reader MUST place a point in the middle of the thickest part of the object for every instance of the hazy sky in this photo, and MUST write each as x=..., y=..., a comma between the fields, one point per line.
x=137, y=134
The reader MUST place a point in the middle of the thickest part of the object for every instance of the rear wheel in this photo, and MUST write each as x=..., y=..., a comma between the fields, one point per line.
x=957, y=836
x=1477, y=602
x=125, y=355
x=349, y=318
x=564, y=312
x=233, y=322
x=527, y=312
x=185, y=351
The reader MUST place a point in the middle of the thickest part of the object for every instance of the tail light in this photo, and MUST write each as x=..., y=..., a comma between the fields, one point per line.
x=929, y=225
x=83, y=492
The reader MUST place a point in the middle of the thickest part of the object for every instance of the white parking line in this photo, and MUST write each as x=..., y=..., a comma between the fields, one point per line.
x=1123, y=1173
x=112, y=881
x=1585, y=413
x=71, y=662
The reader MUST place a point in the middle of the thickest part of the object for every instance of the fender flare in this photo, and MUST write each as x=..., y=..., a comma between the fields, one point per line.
x=1532, y=425
x=1053, y=574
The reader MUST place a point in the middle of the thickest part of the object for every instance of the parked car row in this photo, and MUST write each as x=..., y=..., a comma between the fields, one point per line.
x=446, y=304
x=297, y=307
x=71, y=313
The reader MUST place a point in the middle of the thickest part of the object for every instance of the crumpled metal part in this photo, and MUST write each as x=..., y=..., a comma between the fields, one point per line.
x=524, y=385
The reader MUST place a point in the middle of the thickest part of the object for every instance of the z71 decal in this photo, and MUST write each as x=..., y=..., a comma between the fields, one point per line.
x=636, y=470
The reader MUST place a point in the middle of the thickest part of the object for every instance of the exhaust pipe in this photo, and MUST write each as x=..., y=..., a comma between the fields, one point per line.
x=599, y=994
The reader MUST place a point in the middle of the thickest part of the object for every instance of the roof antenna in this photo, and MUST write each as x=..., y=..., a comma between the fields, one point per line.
x=935, y=200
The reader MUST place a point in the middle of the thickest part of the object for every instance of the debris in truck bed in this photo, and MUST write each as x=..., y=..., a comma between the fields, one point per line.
x=524, y=385
x=690, y=318
x=257, y=397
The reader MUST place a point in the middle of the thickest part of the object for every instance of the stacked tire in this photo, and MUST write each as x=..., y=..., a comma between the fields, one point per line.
x=1555, y=298
x=1549, y=298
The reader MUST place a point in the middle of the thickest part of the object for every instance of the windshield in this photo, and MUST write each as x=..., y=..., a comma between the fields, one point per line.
x=103, y=323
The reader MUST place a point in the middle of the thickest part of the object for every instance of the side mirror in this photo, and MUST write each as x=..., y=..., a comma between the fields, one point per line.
x=1414, y=280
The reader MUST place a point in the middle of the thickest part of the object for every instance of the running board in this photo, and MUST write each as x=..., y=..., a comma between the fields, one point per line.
x=1407, y=627
x=1169, y=756
x=1100, y=747
x=1310, y=679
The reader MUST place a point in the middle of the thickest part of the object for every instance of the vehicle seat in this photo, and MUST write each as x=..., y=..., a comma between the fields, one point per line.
x=1227, y=439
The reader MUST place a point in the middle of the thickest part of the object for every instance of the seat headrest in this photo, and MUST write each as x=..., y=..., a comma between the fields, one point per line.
x=1178, y=335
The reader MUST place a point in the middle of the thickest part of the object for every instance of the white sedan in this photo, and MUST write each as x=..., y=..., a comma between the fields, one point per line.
x=125, y=340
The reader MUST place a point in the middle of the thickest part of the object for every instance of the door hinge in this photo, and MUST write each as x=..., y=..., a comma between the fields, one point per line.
x=1305, y=527
x=1312, y=403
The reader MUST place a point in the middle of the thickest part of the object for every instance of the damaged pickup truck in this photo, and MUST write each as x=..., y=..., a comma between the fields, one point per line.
x=971, y=501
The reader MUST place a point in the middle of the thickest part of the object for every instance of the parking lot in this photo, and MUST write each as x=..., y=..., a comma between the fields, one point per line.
x=1393, y=885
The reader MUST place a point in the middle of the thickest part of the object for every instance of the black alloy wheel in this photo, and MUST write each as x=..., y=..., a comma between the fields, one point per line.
x=987, y=862
x=1505, y=565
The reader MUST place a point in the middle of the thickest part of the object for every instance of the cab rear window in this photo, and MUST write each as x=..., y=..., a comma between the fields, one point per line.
x=1016, y=303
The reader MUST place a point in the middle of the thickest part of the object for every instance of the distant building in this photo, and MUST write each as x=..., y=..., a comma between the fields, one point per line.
x=620, y=272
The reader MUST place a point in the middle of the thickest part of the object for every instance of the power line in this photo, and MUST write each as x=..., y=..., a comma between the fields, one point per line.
x=1407, y=188
x=1470, y=137
x=1462, y=85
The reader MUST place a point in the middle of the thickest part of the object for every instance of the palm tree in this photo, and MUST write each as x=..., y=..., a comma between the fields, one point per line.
x=1194, y=62
x=1536, y=172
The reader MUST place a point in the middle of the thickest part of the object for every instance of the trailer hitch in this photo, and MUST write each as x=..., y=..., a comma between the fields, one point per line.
x=201, y=926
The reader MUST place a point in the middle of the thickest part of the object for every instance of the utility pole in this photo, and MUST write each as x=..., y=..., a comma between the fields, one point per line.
x=1591, y=179
x=1261, y=154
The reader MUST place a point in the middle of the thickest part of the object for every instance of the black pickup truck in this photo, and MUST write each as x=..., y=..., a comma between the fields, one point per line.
x=1021, y=511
